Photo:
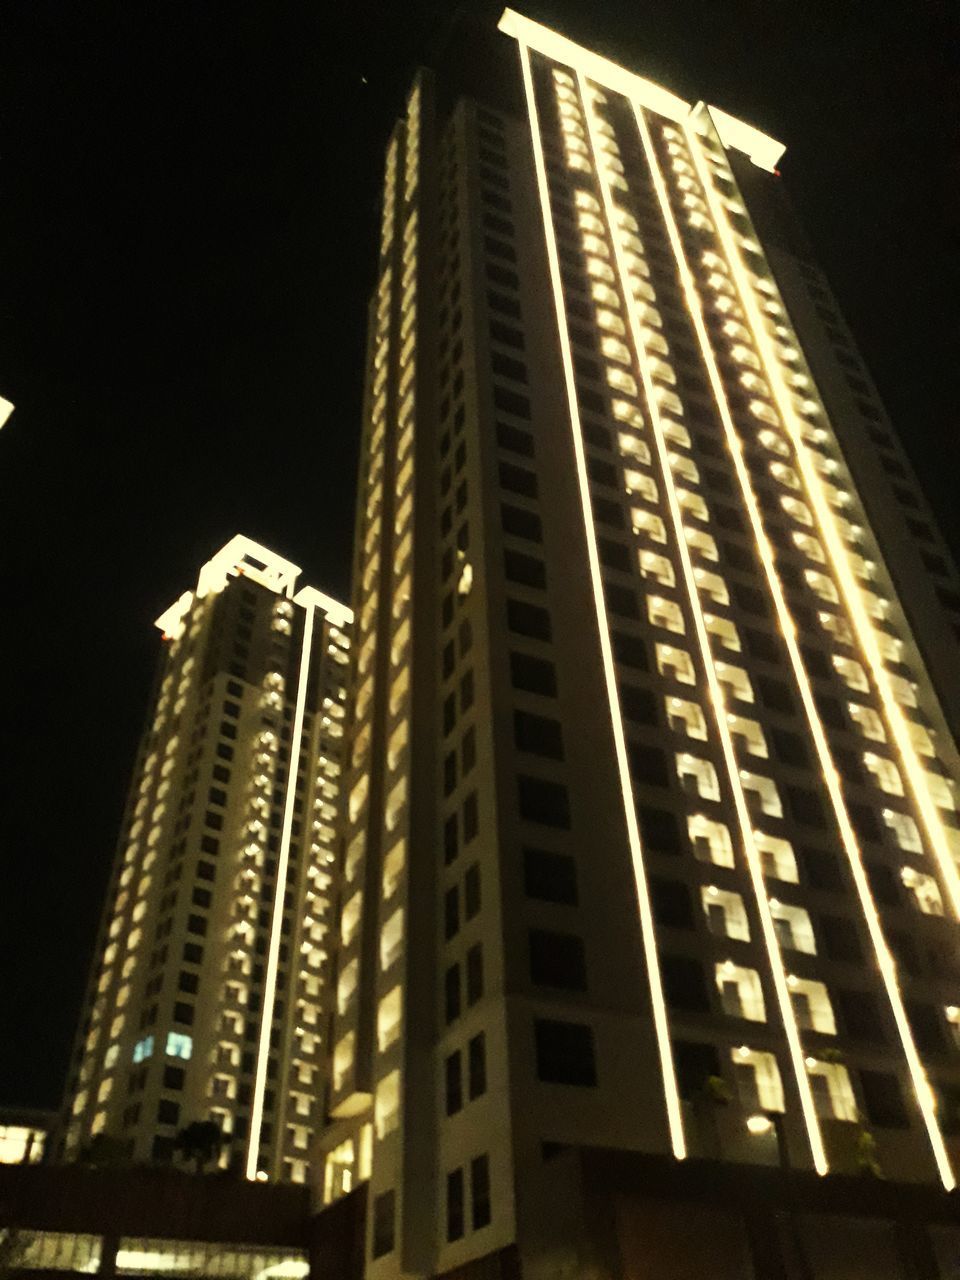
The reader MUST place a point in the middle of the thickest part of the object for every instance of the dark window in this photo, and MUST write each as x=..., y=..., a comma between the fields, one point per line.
x=471, y=818
x=505, y=305
x=805, y=807
x=789, y=747
x=451, y=994
x=526, y=570
x=638, y=705
x=564, y=1052
x=630, y=651
x=648, y=765
x=821, y=870
x=695, y=1064
x=455, y=1204
x=384, y=1214
x=450, y=839
x=206, y=871
x=168, y=1111
x=659, y=830
x=683, y=983
x=514, y=439
x=192, y=952
x=864, y=822
x=217, y=796
x=528, y=620
x=557, y=960
x=451, y=913
x=506, y=334
x=480, y=1191
x=511, y=402
x=615, y=555
x=209, y=844
x=537, y=735
x=549, y=877
x=839, y=939
x=671, y=903
x=749, y=599
x=471, y=892
x=477, y=1066
x=197, y=924
x=544, y=802
x=183, y=1013
x=474, y=974
x=533, y=675
x=189, y=982
x=518, y=480
x=621, y=600
x=213, y=820
x=926, y=1026
x=173, y=1077
x=761, y=645
x=860, y=1015
x=882, y=1099
x=453, y=1083
x=521, y=524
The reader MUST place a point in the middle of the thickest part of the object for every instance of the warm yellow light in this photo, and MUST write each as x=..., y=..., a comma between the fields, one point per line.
x=647, y=928
x=788, y=629
x=759, y=1124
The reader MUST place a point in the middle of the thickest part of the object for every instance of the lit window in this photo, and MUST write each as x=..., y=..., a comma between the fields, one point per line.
x=358, y=797
x=952, y=1015
x=343, y=1056
x=903, y=690
x=614, y=349
x=398, y=690
x=143, y=1049
x=396, y=801
x=645, y=522
x=797, y=510
x=811, y=1005
x=885, y=772
x=666, y=614
x=793, y=928
x=686, y=717
x=748, y=735
x=631, y=447
x=609, y=320
x=823, y=585
x=657, y=567
x=590, y=222
x=740, y=992
x=852, y=673
x=355, y=851
x=350, y=919
x=725, y=913
x=777, y=859
x=736, y=680
x=833, y=1094
x=397, y=743
x=698, y=777
x=604, y=295
x=904, y=830
x=941, y=791
x=684, y=468
x=641, y=486
x=723, y=631
x=810, y=546
x=762, y=794
x=622, y=381
x=712, y=586
x=676, y=664
x=391, y=939
x=925, y=890
x=346, y=985
x=388, y=1020
x=692, y=504
x=921, y=739
x=179, y=1045
x=867, y=721
x=600, y=270
x=711, y=840
x=773, y=441
x=626, y=412
x=759, y=1086
x=386, y=1106
x=701, y=543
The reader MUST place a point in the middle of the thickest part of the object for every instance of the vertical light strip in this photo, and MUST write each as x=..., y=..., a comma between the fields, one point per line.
x=754, y=864
x=838, y=554
x=831, y=778
x=647, y=929
x=283, y=859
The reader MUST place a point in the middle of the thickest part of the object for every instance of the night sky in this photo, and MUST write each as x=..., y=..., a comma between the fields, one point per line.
x=188, y=199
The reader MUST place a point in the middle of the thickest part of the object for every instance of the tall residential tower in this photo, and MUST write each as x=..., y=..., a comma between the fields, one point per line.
x=206, y=999
x=651, y=838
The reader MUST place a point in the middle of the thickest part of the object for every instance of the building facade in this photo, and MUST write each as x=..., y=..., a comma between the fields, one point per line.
x=206, y=998
x=650, y=826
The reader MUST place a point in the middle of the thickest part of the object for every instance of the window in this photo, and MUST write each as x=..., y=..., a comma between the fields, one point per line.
x=811, y=1005
x=757, y=1075
x=543, y=802
x=384, y=1214
x=741, y=993
x=557, y=960
x=533, y=675
x=537, y=735
x=477, y=1066
x=883, y=1101
x=792, y=927
x=550, y=877
x=725, y=913
x=451, y=994
x=521, y=524
x=480, y=1191
x=564, y=1052
x=453, y=1083
x=671, y=903
x=648, y=765
x=455, y=1204
x=925, y=890
x=698, y=776
x=474, y=969
x=528, y=620
x=178, y=1045
x=683, y=984
x=168, y=1112
x=525, y=570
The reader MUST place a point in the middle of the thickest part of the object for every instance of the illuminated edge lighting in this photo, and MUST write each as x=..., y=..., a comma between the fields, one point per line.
x=787, y=1014
x=839, y=557
x=763, y=150
x=885, y=961
x=283, y=858
x=648, y=935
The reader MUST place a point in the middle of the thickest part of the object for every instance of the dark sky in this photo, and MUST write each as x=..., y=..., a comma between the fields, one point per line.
x=188, y=194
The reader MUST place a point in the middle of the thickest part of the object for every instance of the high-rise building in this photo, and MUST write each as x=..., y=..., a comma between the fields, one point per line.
x=206, y=996
x=651, y=839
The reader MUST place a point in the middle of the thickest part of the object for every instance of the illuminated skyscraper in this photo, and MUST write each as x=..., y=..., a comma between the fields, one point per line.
x=206, y=998
x=650, y=803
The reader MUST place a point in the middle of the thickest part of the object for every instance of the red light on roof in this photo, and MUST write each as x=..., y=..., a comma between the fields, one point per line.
x=776, y=173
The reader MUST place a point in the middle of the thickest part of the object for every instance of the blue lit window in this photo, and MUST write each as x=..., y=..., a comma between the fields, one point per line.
x=143, y=1049
x=179, y=1045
